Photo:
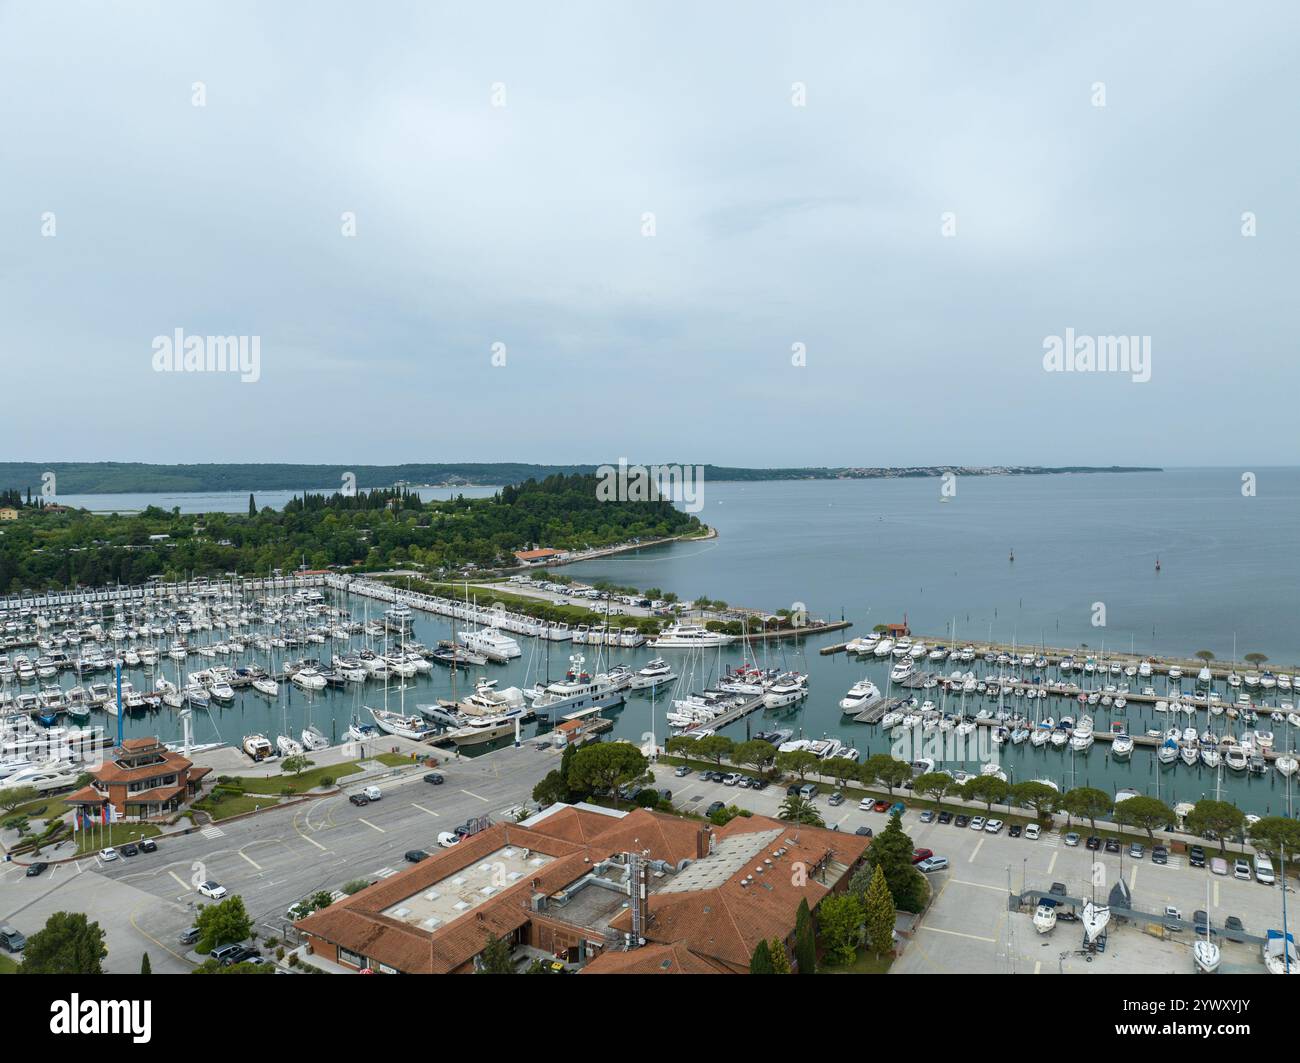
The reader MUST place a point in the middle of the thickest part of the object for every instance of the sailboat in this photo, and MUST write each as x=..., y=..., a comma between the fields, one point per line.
x=1205, y=953
x=1095, y=919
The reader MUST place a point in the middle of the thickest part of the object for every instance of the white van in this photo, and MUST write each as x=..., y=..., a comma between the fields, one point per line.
x=1263, y=869
x=373, y=793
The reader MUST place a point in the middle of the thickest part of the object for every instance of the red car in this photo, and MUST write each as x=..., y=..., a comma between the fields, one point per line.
x=881, y=806
x=921, y=854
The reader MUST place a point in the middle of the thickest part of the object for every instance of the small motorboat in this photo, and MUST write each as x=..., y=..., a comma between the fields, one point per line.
x=1045, y=916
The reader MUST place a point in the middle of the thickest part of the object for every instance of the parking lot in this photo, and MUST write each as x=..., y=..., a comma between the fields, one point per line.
x=272, y=860
x=969, y=928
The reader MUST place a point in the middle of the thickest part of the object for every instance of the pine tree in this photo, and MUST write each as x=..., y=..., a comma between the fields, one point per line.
x=495, y=957
x=144, y=965
x=780, y=961
x=880, y=913
x=252, y=505
x=761, y=961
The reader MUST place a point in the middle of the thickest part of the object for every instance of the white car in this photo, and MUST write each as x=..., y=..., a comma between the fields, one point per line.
x=933, y=863
x=977, y=823
x=212, y=889
x=993, y=826
x=447, y=839
x=373, y=793
x=1032, y=832
x=732, y=779
x=866, y=804
x=107, y=854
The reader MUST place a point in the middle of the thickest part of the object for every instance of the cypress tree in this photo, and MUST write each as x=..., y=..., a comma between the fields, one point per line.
x=879, y=904
x=761, y=961
x=780, y=961
x=144, y=964
x=805, y=947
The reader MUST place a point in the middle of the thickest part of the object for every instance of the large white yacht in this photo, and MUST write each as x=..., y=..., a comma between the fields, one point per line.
x=577, y=690
x=860, y=695
x=491, y=642
x=686, y=635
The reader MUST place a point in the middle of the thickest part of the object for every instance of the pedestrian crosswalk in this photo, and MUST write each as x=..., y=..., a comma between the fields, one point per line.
x=213, y=832
x=384, y=872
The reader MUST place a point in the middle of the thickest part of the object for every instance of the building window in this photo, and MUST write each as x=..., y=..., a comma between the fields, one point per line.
x=351, y=958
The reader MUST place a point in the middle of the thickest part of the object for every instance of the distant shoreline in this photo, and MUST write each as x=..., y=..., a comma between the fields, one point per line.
x=120, y=478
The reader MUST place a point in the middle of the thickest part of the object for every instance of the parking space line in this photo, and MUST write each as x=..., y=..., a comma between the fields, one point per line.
x=371, y=825
x=183, y=884
x=423, y=809
x=1133, y=878
x=470, y=794
x=1051, y=866
x=251, y=861
x=976, y=851
x=954, y=933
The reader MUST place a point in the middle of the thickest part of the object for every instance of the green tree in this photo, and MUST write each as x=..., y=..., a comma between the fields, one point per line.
x=797, y=762
x=18, y=795
x=606, y=766
x=1146, y=813
x=891, y=851
x=878, y=906
x=1086, y=802
x=145, y=968
x=805, y=944
x=796, y=809
x=841, y=769
x=761, y=961
x=495, y=957
x=714, y=748
x=1043, y=799
x=551, y=788
x=886, y=770
x=780, y=961
x=67, y=944
x=1276, y=835
x=223, y=923
x=755, y=753
x=987, y=788
x=934, y=784
x=839, y=918
x=252, y=505
x=1215, y=819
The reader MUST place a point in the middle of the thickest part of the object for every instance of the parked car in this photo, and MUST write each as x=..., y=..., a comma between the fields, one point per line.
x=866, y=805
x=945, y=817
x=927, y=816
x=358, y=799
x=1137, y=850
x=1196, y=856
x=1159, y=854
x=108, y=855
x=732, y=779
x=35, y=869
x=682, y=771
x=214, y=890
x=836, y=798
x=933, y=863
x=1233, y=929
x=665, y=794
x=993, y=826
x=434, y=778
x=1013, y=831
x=808, y=791
x=1200, y=921
x=921, y=854
x=863, y=832
x=373, y=793
x=1241, y=870
x=148, y=845
x=1093, y=842
x=881, y=806
x=717, y=806
x=11, y=940
x=1072, y=839
x=1218, y=866
x=190, y=936
x=962, y=820
x=416, y=855
x=1112, y=845
x=758, y=784
x=977, y=823
x=792, y=790
x=1032, y=831
x=222, y=952
x=244, y=955
x=1263, y=869
x=129, y=849
x=898, y=807
x=1058, y=889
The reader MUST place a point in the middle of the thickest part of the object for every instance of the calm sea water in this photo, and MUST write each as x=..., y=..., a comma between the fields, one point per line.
x=878, y=549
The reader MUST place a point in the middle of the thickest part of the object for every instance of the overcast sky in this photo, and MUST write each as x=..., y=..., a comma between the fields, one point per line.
x=774, y=225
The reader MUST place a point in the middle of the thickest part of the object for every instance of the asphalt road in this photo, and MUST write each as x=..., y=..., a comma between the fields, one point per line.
x=271, y=860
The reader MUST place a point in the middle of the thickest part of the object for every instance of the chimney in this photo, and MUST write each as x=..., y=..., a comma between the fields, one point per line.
x=703, y=842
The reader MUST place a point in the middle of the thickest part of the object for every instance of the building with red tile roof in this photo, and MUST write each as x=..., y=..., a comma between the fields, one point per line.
x=635, y=892
x=141, y=779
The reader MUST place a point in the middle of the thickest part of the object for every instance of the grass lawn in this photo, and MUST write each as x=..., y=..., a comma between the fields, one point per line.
x=866, y=963
x=395, y=760
x=295, y=783
x=7, y=966
x=92, y=839
x=234, y=805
